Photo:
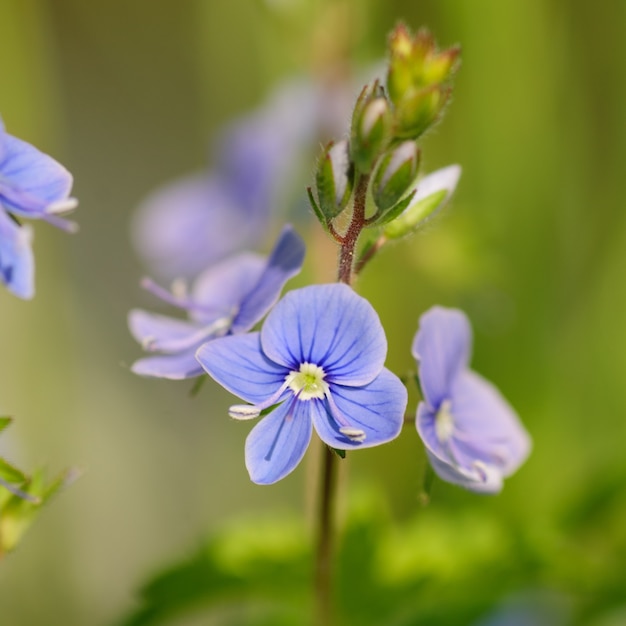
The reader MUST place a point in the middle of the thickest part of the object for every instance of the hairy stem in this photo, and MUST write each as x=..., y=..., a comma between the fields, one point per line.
x=346, y=254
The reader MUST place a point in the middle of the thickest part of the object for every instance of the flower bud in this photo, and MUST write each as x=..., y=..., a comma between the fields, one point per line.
x=419, y=110
x=416, y=79
x=334, y=179
x=395, y=174
x=433, y=191
x=371, y=128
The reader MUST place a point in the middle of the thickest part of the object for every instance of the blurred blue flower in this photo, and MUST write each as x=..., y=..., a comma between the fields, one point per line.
x=258, y=159
x=16, y=257
x=32, y=185
x=319, y=356
x=229, y=297
x=473, y=437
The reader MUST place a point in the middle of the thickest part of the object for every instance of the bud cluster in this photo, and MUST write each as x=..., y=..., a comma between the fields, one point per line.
x=378, y=165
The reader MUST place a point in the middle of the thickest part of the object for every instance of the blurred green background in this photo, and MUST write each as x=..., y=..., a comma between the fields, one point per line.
x=128, y=94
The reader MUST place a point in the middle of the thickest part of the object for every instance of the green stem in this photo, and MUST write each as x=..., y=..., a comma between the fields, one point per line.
x=323, y=574
x=324, y=552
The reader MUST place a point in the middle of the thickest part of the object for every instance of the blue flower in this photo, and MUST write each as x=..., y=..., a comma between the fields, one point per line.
x=319, y=356
x=228, y=298
x=32, y=185
x=473, y=437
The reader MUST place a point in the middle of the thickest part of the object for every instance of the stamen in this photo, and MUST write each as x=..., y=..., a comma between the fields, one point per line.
x=354, y=434
x=244, y=411
x=175, y=299
x=62, y=206
x=218, y=327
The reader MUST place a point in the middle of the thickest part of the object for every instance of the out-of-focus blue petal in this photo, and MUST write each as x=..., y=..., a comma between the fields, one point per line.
x=486, y=428
x=17, y=267
x=442, y=347
x=278, y=442
x=377, y=409
x=259, y=154
x=479, y=479
x=284, y=262
x=172, y=366
x=30, y=180
x=238, y=364
x=330, y=326
x=219, y=290
x=187, y=225
x=159, y=333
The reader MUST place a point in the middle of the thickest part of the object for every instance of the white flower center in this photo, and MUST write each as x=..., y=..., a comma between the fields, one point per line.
x=308, y=382
x=444, y=422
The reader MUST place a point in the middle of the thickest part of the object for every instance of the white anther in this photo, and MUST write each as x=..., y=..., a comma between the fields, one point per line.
x=354, y=434
x=244, y=411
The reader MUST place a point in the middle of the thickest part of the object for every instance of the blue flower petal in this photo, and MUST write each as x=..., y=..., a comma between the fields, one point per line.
x=330, y=326
x=442, y=347
x=238, y=364
x=156, y=332
x=486, y=428
x=480, y=478
x=377, y=409
x=171, y=366
x=219, y=290
x=17, y=267
x=278, y=442
x=284, y=262
x=30, y=180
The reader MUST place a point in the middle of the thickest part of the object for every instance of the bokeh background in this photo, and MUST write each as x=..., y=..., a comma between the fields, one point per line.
x=128, y=96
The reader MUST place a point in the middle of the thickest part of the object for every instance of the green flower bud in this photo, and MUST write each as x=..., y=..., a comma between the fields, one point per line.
x=416, y=79
x=334, y=179
x=371, y=128
x=419, y=110
x=433, y=191
x=395, y=174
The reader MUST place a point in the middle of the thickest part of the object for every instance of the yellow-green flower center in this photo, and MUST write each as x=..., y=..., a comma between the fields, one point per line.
x=308, y=382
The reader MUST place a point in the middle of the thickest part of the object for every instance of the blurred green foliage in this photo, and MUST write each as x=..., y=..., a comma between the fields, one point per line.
x=533, y=247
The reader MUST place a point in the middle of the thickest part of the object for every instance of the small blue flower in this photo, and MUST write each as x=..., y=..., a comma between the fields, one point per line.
x=228, y=298
x=32, y=185
x=473, y=437
x=319, y=356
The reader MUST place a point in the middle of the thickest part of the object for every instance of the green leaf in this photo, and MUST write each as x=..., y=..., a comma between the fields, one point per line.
x=4, y=422
x=10, y=473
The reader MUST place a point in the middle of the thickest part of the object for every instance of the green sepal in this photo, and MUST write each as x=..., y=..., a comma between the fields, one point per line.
x=5, y=420
x=340, y=453
x=394, y=211
x=318, y=212
x=392, y=180
x=334, y=180
x=409, y=220
x=197, y=385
